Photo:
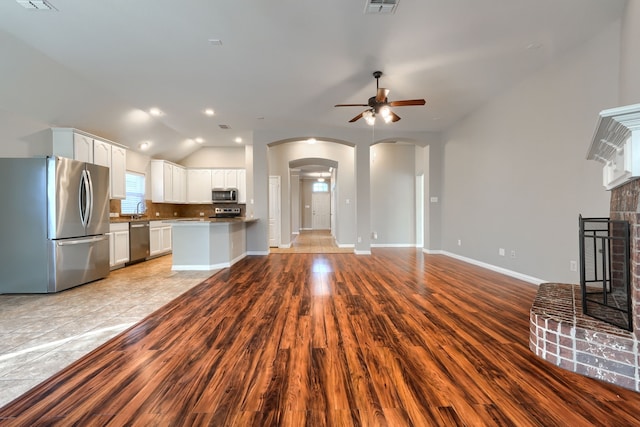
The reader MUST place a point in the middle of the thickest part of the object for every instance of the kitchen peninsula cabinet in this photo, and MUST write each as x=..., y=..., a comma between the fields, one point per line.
x=209, y=244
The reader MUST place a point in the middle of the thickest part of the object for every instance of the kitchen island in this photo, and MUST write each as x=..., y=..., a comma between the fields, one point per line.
x=209, y=243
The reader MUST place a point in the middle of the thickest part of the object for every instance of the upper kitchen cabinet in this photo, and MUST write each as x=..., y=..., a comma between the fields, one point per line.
x=78, y=145
x=118, y=172
x=219, y=178
x=168, y=182
x=199, y=185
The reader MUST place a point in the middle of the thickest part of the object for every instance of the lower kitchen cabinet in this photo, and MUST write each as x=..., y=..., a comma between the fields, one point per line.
x=118, y=244
x=159, y=238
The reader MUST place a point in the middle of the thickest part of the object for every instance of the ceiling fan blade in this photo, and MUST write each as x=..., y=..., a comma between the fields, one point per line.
x=407, y=102
x=356, y=118
x=351, y=105
x=394, y=117
x=381, y=95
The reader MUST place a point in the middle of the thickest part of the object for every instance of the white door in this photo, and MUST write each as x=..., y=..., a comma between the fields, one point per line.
x=274, y=211
x=320, y=210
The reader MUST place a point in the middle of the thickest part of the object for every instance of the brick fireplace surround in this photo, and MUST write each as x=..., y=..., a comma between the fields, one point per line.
x=562, y=335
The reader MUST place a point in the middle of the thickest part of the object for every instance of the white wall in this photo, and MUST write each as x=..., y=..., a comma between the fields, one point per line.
x=515, y=174
x=630, y=55
x=216, y=157
x=393, y=169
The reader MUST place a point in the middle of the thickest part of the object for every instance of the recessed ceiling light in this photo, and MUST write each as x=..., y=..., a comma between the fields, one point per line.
x=533, y=46
x=311, y=141
x=238, y=140
x=155, y=112
x=215, y=42
x=144, y=145
x=224, y=126
x=209, y=112
x=199, y=140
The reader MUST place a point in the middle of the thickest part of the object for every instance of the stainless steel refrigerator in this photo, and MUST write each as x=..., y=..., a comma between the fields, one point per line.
x=53, y=223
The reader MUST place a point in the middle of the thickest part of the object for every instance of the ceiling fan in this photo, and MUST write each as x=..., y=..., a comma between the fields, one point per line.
x=380, y=105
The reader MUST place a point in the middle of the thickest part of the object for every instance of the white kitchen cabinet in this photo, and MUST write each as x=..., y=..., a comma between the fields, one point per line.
x=78, y=145
x=82, y=148
x=168, y=182
x=218, y=178
x=231, y=178
x=199, y=186
x=179, y=184
x=159, y=238
x=101, y=153
x=118, y=244
x=118, y=172
x=242, y=186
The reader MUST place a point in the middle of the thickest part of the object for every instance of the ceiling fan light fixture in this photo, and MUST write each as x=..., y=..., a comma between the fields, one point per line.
x=369, y=117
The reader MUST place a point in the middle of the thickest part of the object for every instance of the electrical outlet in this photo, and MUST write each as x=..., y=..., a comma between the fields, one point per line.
x=201, y=213
x=157, y=213
x=573, y=265
x=374, y=235
x=513, y=254
x=501, y=251
x=459, y=242
x=359, y=239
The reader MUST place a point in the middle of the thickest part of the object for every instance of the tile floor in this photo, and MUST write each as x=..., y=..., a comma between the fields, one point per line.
x=41, y=334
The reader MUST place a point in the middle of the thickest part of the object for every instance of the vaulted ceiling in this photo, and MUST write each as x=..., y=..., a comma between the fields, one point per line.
x=283, y=64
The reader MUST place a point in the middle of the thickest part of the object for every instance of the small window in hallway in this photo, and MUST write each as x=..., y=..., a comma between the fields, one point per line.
x=320, y=187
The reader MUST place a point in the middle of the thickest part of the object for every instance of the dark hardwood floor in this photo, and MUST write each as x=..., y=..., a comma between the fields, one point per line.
x=397, y=338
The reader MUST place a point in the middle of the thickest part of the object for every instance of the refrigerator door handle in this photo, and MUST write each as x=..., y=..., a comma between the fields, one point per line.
x=90, y=197
x=81, y=241
x=83, y=199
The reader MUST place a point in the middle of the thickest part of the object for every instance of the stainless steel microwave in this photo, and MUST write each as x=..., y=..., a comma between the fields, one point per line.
x=224, y=195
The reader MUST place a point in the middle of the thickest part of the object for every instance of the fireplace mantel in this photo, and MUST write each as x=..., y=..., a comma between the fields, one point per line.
x=616, y=144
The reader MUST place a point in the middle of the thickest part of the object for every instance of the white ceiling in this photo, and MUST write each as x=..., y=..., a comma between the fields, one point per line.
x=283, y=64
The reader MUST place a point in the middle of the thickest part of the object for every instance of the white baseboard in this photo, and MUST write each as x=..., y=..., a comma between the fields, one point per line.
x=501, y=270
x=362, y=252
x=257, y=252
x=393, y=245
x=346, y=245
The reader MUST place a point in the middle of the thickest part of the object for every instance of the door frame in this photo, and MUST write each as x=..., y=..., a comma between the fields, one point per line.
x=275, y=218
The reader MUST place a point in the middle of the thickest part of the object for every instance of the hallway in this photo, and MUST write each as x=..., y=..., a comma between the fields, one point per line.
x=313, y=242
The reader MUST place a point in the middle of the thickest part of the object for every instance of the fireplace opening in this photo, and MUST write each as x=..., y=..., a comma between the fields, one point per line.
x=604, y=270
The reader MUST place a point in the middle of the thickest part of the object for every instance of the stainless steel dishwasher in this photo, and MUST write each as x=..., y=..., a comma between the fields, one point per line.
x=138, y=241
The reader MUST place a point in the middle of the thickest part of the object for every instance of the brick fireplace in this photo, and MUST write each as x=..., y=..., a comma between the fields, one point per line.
x=559, y=331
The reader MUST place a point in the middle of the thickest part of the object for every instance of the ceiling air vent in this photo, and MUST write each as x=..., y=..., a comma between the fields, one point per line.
x=380, y=7
x=224, y=126
x=36, y=4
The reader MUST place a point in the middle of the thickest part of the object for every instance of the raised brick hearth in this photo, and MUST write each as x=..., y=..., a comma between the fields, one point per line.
x=562, y=335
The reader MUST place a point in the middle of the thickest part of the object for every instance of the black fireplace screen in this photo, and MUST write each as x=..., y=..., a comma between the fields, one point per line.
x=604, y=270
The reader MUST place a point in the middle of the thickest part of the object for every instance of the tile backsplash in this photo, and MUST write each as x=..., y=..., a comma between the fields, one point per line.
x=167, y=210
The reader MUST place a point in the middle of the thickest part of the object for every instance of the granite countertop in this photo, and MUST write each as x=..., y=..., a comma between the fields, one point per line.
x=126, y=218
x=212, y=220
x=175, y=219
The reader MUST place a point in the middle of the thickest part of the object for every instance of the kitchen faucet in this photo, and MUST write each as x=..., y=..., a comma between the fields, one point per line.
x=138, y=213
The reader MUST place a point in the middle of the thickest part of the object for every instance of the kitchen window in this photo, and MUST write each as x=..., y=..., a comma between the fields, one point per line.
x=135, y=193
